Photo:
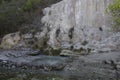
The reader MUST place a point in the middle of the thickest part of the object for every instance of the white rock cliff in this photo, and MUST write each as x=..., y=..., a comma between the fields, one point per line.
x=77, y=23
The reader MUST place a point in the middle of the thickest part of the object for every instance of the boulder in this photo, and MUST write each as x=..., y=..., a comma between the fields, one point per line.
x=10, y=40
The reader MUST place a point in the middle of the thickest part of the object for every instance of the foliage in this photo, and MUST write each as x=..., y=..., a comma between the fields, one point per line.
x=114, y=9
x=16, y=13
x=28, y=5
x=11, y=16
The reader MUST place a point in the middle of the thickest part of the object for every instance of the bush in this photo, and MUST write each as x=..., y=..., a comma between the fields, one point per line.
x=114, y=9
x=11, y=16
x=28, y=6
x=16, y=13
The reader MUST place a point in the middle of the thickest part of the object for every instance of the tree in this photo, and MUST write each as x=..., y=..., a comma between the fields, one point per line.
x=16, y=14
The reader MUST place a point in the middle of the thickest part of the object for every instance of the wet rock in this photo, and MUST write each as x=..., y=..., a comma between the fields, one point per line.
x=24, y=60
x=66, y=53
x=102, y=66
x=92, y=66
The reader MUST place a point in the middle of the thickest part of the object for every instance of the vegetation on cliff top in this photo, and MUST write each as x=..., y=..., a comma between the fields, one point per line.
x=114, y=9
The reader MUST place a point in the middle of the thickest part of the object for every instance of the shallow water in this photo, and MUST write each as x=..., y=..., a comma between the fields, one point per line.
x=90, y=67
x=19, y=73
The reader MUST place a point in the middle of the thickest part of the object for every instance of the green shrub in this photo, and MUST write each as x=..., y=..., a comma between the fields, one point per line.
x=28, y=5
x=114, y=9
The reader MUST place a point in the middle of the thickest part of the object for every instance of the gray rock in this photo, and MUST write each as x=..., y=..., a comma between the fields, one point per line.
x=10, y=40
x=72, y=25
x=13, y=59
x=78, y=24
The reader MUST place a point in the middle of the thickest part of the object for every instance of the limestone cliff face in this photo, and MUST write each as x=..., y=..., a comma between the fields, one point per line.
x=77, y=23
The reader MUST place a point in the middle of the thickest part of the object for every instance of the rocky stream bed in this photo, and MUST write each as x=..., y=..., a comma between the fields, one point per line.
x=32, y=65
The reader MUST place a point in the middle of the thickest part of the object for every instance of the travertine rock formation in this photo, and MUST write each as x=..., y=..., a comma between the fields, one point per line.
x=77, y=25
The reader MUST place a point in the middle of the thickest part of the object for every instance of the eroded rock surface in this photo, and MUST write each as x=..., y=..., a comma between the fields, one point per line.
x=79, y=25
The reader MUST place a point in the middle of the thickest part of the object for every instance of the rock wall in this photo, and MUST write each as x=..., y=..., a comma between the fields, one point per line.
x=77, y=23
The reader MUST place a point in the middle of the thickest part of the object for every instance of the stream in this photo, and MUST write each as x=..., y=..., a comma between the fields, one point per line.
x=29, y=65
x=32, y=65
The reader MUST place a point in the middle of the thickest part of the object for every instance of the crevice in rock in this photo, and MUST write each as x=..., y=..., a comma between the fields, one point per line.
x=57, y=32
x=71, y=31
x=100, y=28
